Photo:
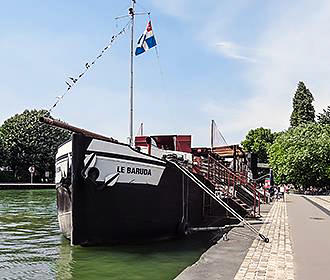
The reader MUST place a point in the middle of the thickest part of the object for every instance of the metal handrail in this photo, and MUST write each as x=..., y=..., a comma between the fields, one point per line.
x=232, y=179
x=194, y=179
x=233, y=173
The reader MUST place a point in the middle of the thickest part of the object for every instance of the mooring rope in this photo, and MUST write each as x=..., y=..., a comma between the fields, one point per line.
x=72, y=81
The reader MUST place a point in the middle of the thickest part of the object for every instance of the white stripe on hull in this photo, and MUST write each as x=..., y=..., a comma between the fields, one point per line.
x=129, y=171
x=108, y=147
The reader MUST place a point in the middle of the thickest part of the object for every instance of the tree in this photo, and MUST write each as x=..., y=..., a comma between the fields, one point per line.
x=26, y=141
x=324, y=118
x=301, y=156
x=257, y=141
x=303, y=109
x=2, y=157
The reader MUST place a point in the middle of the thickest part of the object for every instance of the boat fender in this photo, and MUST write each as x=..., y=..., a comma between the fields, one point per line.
x=182, y=229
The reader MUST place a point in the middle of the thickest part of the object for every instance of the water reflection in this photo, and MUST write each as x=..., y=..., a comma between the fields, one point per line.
x=160, y=260
x=64, y=262
x=33, y=248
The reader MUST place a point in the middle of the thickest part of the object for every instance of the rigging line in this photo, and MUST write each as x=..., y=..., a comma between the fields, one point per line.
x=217, y=133
x=159, y=65
x=73, y=80
x=127, y=6
x=158, y=58
x=220, y=138
x=116, y=19
x=138, y=4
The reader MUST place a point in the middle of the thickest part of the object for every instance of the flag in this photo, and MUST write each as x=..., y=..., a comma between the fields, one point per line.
x=146, y=41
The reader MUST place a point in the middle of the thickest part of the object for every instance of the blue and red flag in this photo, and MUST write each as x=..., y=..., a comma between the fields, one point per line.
x=146, y=41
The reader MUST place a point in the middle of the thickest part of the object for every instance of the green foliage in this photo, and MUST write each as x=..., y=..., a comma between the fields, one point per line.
x=25, y=142
x=2, y=156
x=324, y=118
x=7, y=177
x=301, y=156
x=303, y=109
x=257, y=141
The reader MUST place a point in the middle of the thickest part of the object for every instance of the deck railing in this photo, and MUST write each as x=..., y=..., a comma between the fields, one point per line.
x=230, y=184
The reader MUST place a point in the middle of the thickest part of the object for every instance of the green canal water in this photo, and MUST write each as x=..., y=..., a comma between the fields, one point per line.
x=32, y=247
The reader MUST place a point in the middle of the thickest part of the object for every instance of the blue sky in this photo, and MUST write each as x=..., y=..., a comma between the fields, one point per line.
x=237, y=62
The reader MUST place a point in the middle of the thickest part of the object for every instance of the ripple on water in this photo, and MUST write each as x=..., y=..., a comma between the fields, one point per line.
x=32, y=247
x=29, y=234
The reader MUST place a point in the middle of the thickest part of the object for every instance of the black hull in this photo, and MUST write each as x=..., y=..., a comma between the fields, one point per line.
x=92, y=214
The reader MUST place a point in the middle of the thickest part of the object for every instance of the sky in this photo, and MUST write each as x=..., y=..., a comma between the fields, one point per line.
x=236, y=62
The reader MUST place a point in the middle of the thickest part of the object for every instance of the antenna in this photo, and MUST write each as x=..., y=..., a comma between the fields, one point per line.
x=140, y=131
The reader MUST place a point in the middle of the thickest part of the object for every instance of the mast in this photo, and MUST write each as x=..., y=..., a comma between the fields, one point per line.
x=212, y=134
x=131, y=12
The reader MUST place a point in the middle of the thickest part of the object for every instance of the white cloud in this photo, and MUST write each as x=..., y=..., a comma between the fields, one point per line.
x=291, y=43
x=299, y=51
x=232, y=50
x=288, y=49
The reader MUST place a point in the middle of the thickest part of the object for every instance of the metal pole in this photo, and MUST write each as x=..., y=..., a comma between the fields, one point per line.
x=131, y=12
x=31, y=177
x=254, y=201
x=212, y=133
x=259, y=202
x=72, y=128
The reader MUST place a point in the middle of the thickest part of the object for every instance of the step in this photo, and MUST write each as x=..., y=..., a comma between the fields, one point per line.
x=241, y=203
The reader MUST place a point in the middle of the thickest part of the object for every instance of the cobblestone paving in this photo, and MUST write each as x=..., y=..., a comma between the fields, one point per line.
x=324, y=201
x=273, y=260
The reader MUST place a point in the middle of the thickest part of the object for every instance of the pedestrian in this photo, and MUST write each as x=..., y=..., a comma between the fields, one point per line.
x=272, y=192
x=282, y=190
x=276, y=193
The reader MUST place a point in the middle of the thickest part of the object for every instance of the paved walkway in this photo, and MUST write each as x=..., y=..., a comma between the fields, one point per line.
x=323, y=201
x=299, y=251
x=273, y=260
x=223, y=260
x=309, y=218
x=299, y=247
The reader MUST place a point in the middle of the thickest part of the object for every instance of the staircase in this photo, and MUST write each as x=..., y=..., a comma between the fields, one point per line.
x=185, y=169
x=229, y=185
